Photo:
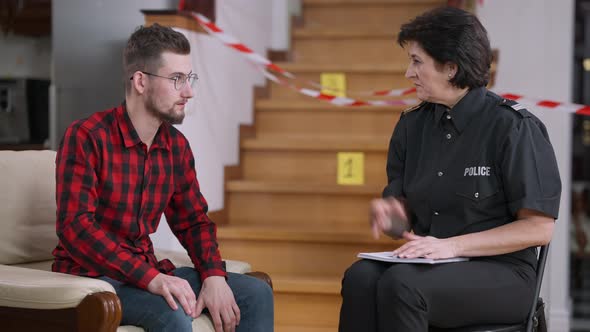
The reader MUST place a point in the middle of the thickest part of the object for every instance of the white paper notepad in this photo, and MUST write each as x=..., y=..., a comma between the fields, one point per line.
x=386, y=256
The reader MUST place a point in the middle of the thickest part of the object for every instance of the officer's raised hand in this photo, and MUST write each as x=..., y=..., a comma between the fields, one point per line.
x=388, y=215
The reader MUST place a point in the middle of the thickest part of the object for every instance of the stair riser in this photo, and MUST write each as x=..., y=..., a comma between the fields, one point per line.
x=299, y=328
x=355, y=82
x=362, y=16
x=304, y=210
x=304, y=166
x=296, y=258
x=348, y=51
x=376, y=124
x=315, y=310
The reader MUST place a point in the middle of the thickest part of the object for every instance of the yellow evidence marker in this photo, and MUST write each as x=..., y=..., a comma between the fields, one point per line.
x=351, y=168
x=333, y=84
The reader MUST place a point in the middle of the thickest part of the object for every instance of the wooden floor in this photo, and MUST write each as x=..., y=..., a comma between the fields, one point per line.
x=285, y=212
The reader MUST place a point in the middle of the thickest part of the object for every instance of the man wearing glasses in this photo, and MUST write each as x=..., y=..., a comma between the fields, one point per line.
x=118, y=171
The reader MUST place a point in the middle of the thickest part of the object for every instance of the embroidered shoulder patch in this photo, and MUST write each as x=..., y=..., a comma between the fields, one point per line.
x=515, y=106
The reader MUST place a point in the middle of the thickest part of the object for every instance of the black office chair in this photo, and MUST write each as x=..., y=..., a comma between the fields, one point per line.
x=536, y=319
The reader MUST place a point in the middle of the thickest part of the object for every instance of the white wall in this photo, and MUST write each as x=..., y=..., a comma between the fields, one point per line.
x=25, y=57
x=535, y=40
x=88, y=39
x=281, y=27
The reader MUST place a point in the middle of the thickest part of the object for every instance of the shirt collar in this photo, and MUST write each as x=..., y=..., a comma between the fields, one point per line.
x=467, y=108
x=130, y=136
x=162, y=139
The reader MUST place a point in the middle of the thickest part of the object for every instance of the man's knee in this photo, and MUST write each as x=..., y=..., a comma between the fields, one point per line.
x=259, y=292
x=172, y=320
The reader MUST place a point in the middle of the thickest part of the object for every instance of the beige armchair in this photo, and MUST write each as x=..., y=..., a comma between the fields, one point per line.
x=32, y=298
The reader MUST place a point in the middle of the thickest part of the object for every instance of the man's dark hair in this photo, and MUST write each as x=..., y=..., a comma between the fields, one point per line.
x=145, y=47
x=449, y=34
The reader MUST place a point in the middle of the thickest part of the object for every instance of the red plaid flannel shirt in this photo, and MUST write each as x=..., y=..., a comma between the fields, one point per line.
x=111, y=193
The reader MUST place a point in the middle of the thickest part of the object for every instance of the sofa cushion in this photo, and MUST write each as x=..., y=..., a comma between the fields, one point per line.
x=42, y=265
x=27, y=206
x=34, y=289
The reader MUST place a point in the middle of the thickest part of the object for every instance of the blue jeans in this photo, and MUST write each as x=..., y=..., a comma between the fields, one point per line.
x=153, y=314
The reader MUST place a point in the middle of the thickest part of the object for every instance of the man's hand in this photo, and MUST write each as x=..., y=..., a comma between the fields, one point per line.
x=170, y=287
x=388, y=215
x=218, y=298
x=425, y=246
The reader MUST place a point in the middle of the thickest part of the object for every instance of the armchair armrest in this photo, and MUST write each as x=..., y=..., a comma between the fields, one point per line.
x=32, y=300
x=35, y=289
x=180, y=258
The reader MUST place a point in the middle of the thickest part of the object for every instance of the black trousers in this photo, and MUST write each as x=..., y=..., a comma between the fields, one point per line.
x=387, y=297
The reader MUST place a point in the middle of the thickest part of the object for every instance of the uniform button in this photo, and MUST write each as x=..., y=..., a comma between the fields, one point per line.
x=436, y=213
x=449, y=136
x=440, y=173
x=448, y=116
x=476, y=195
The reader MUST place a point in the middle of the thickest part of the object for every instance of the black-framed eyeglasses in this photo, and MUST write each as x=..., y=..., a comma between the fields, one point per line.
x=179, y=79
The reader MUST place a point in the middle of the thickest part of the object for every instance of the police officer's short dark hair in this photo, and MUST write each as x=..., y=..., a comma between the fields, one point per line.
x=145, y=47
x=449, y=34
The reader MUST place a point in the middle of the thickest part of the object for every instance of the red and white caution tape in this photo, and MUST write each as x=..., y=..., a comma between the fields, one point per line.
x=335, y=100
x=558, y=106
x=232, y=42
x=260, y=60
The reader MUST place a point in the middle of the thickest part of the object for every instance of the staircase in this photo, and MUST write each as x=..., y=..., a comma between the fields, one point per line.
x=284, y=212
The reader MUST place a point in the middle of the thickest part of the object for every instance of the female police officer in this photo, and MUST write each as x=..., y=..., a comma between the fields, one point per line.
x=471, y=174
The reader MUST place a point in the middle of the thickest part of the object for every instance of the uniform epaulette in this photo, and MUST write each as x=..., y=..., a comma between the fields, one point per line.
x=515, y=106
x=413, y=108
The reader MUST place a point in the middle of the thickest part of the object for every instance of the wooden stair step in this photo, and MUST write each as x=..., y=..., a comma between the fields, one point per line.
x=351, y=15
x=310, y=160
x=329, y=33
x=317, y=105
x=306, y=285
x=303, y=204
x=315, y=118
x=328, y=44
x=339, y=235
x=298, y=328
x=315, y=144
x=379, y=49
x=362, y=68
x=304, y=253
x=360, y=79
x=307, y=302
x=300, y=188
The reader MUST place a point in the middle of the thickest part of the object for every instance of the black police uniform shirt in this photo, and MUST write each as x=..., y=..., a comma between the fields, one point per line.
x=472, y=168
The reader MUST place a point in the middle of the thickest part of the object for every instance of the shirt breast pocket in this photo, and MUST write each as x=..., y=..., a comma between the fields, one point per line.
x=477, y=189
x=481, y=204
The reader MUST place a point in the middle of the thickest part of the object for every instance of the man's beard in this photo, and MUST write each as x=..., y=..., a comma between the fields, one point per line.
x=169, y=116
